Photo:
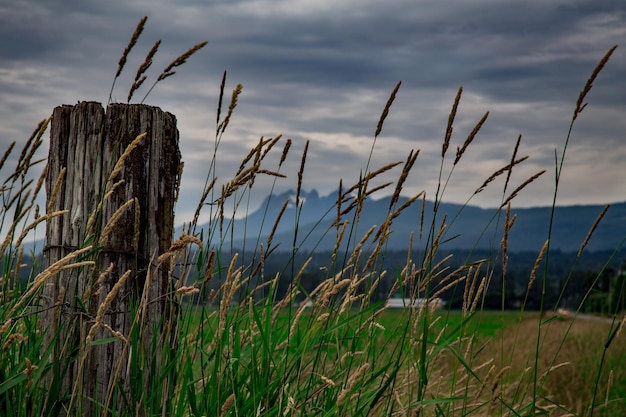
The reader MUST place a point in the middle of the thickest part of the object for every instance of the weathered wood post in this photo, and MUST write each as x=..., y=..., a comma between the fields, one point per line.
x=87, y=143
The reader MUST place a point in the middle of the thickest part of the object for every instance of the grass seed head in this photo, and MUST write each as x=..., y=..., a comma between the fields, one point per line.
x=131, y=45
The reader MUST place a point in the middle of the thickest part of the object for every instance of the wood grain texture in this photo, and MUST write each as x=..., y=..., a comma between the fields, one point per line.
x=88, y=142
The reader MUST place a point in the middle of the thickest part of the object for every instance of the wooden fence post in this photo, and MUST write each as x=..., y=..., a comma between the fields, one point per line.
x=138, y=205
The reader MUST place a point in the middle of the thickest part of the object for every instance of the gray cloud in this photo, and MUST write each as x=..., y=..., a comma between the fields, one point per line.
x=323, y=70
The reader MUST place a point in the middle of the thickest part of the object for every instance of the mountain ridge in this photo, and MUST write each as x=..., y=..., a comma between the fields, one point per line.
x=467, y=226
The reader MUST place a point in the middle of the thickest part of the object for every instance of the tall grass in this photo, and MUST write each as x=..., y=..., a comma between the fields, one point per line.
x=237, y=348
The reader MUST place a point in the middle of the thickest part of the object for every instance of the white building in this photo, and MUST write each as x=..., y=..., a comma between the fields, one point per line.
x=433, y=303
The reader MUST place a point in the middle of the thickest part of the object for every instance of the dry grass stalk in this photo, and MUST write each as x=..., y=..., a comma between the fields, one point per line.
x=115, y=333
x=275, y=226
x=40, y=182
x=92, y=219
x=120, y=162
x=373, y=256
x=292, y=291
x=268, y=172
x=332, y=291
x=5, y=326
x=468, y=291
x=269, y=147
x=231, y=107
x=30, y=368
x=6, y=154
x=49, y=272
x=114, y=219
x=508, y=224
x=322, y=317
x=521, y=187
x=18, y=263
x=513, y=156
x=23, y=163
x=55, y=190
x=98, y=323
x=580, y=106
x=359, y=201
x=220, y=99
x=486, y=378
x=131, y=44
x=382, y=231
x=104, y=307
x=533, y=273
x=301, y=172
x=227, y=404
x=479, y=293
x=142, y=69
x=442, y=228
x=338, y=239
x=22, y=200
x=296, y=319
x=351, y=383
x=255, y=151
x=593, y=228
x=30, y=227
x=339, y=202
x=496, y=382
x=327, y=381
x=449, y=128
x=228, y=189
x=373, y=174
x=12, y=339
x=98, y=284
x=186, y=291
x=283, y=156
x=385, y=112
x=553, y=368
x=359, y=246
x=228, y=290
x=208, y=270
x=221, y=215
x=496, y=174
x=15, y=198
x=167, y=72
x=460, y=151
x=435, y=273
x=410, y=161
x=370, y=322
x=177, y=246
x=77, y=265
x=446, y=287
x=28, y=151
x=350, y=295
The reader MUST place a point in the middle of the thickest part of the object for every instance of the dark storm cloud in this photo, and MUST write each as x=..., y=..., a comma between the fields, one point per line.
x=322, y=70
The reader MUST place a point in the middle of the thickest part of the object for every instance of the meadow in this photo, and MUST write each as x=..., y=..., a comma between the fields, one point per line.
x=232, y=347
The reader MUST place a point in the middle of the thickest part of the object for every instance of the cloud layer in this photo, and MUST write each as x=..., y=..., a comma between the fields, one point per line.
x=323, y=70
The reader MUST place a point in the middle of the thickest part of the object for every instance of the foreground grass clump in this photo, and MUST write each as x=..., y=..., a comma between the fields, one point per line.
x=235, y=348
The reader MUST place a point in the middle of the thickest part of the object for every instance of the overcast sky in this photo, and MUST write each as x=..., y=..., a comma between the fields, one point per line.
x=323, y=70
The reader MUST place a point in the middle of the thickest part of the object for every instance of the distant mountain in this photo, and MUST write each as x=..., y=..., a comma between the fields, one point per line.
x=467, y=227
